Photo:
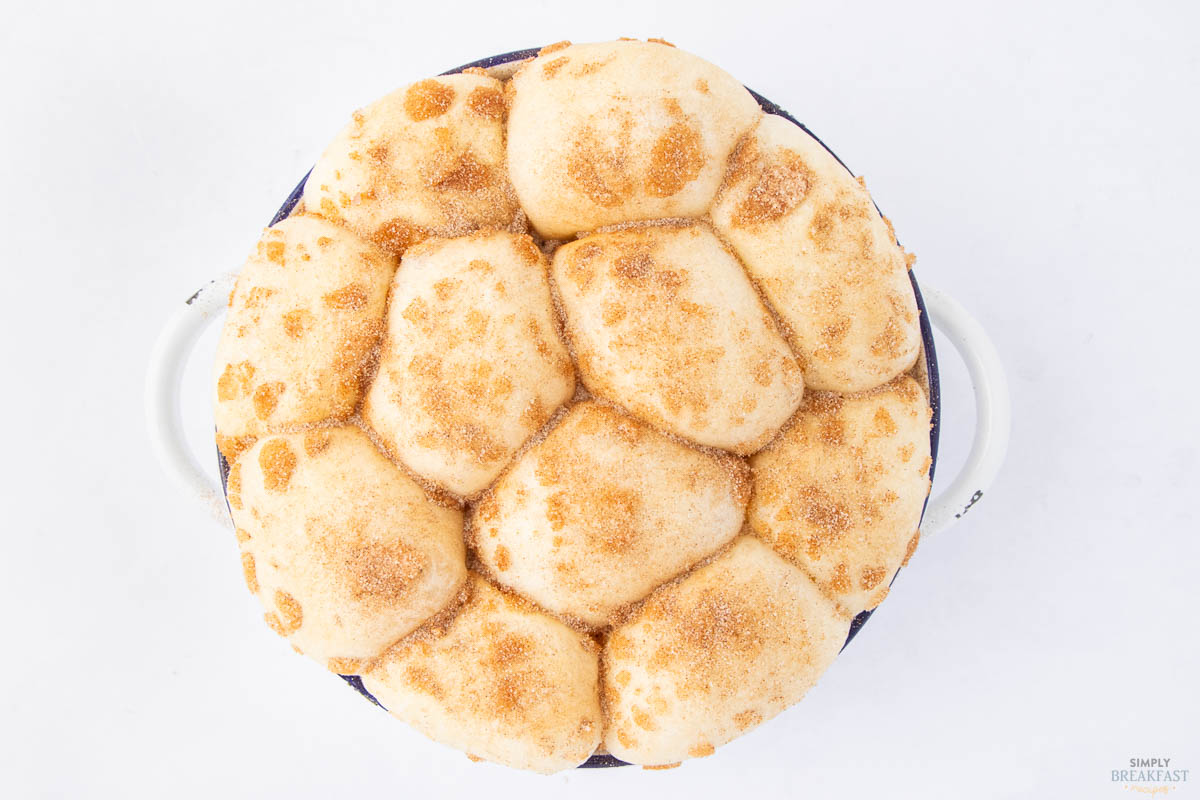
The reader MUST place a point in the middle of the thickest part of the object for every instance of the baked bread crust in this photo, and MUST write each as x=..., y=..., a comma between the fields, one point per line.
x=612, y=132
x=346, y=553
x=472, y=364
x=827, y=261
x=303, y=321
x=657, y=556
x=501, y=680
x=663, y=321
x=718, y=652
x=426, y=160
x=840, y=492
x=590, y=519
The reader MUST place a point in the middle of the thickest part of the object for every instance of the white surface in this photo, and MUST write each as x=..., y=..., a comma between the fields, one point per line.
x=1040, y=160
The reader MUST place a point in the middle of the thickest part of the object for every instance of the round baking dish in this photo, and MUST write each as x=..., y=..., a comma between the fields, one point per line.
x=173, y=349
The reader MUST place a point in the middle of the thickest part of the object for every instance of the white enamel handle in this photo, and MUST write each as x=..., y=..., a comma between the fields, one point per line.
x=164, y=419
x=993, y=412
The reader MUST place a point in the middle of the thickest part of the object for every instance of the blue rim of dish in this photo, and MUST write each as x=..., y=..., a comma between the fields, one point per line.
x=931, y=365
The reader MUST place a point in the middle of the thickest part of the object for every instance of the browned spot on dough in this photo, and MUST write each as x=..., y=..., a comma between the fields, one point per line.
x=351, y=297
x=345, y=666
x=599, y=169
x=423, y=680
x=444, y=289
x=275, y=252
x=233, y=484
x=428, y=99
x=277, y=462
x=249, y=573
x=871, y=576
x=397, y=235
x=467, y=174
x=779, y=189
x=747, y=719
x=890, y=341
x=912, y=548
x=642, y=719
x=633, y=265
x=551, y=68
x=550, y=48
x=675, y=160
x=290, y=614
x=832, y=431
x=315, y=442
x=416, y=312
x=603, y=516
x=841, y=224
x=258, y=296
x=840, y=582
x=502, y=558
x=296, y=322
x=527, y=250
x=235, y=381
x=660, y=41
x=762, y=372
x=486, y=101
x=266, y=398
x=380, y=572
x=884, y=424
x=743, y=159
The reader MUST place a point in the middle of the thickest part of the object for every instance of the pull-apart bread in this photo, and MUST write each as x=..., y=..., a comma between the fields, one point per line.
x=573, y=409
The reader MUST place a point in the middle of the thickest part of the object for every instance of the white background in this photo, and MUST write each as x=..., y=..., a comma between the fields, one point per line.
x=1041, y=160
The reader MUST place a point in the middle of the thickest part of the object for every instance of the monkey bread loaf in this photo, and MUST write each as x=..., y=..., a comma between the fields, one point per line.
x=576, y=408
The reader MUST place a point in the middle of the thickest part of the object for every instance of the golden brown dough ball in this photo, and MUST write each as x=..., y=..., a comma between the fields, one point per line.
x=346, y=553
x=826, y=260
x=664, y=322
x=621, y=131
x=305, y=314
x=472, y=363
x=840, y=492
x=604, y=509
x=426, y=160
x=713, y=655
x=500, y=680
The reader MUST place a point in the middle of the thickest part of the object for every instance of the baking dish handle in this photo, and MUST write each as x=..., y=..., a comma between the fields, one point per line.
x=164, y=418
x=993, y=411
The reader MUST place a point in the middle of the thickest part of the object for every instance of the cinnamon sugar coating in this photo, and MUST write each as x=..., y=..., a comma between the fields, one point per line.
x=303, y=321
x=663, y=321
x=472, y=363
x=615, y=132
x=840, y=492
x=346, y=553
x=709, y=657
x=825, y=259
x=500, y=680
x=426, y=160
x=648, y=561
x=604, y=509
